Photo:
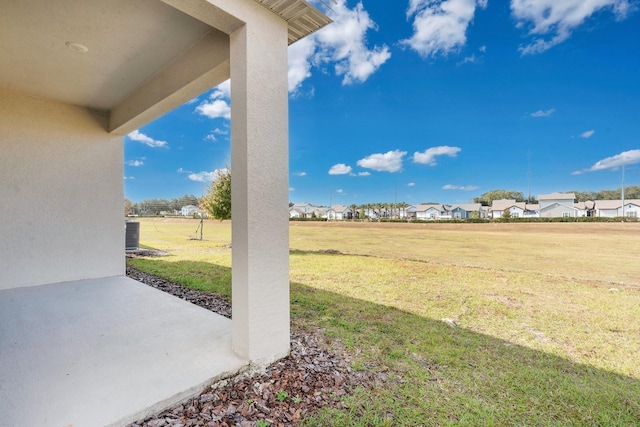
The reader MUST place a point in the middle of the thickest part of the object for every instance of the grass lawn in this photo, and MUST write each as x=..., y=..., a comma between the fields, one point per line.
x=548, y=315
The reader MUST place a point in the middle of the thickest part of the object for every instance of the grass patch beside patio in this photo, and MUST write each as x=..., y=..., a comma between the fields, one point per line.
x=551, y=347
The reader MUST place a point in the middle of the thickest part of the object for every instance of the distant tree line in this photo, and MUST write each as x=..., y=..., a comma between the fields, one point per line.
x=487, y=198
x=630, y=192
x=159, y=206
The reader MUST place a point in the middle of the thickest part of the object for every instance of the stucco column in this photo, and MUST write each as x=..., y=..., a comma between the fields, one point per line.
x=260, y=190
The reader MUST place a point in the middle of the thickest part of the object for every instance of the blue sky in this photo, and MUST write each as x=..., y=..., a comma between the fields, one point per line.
x=432, y=101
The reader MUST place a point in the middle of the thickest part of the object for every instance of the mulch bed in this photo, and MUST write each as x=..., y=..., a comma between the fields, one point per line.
x=310, y=378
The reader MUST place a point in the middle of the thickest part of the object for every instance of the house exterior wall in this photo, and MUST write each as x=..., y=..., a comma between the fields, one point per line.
x=631, y=210
x=426, y=214
x=61, y=183
x=545, y=203
x=557, y=211
x=459, y=214
x=516, y=212
x=608, y=213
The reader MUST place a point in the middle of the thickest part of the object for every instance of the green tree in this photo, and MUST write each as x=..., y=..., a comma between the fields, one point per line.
x=128, y=207
x=506, y=214
x=487, y=198
x=632, y=192
x=217, y=201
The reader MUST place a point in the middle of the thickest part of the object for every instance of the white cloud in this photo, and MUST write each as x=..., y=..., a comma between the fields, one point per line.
x=614, y=162
x=468, y=59
x=428, y=156
x=218, y=103
x=224, y=88
x=180, y=170
x=365, y=173
x=483, y=49
x=214, y=109
x=551, y=22
x=134, y=163
x=460, y=187
x=299, y=64
x=390, y=161
x=587, y=134
x=339, y=191
x=292, y=189
x=300, y=173
x=129, y=177
x=138, y=136
x=340, y=169
x=440, y=26
x=205, y=176
x=543, y=113
x=213, y=135
x=411, y=184
x=344, y=43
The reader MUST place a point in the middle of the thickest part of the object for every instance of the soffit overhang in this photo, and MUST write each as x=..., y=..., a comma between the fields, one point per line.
x=302, y=18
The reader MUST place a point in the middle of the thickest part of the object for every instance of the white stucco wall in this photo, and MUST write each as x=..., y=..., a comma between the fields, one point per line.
x=61, y=193
x=609, y=213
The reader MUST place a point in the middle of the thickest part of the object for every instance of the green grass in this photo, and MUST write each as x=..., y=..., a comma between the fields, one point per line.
x=542, y=339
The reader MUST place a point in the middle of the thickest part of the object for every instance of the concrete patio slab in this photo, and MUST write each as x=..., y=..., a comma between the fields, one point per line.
x=104, y=352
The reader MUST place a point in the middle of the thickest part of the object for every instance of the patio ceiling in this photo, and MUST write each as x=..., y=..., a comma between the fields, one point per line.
x=129, y=59
x=127, y=42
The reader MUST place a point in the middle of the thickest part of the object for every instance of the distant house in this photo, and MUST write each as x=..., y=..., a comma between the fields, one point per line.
x=631, y=208
x=517, y=209
x=557, y=205
x=432, y=211
x=319, y=212
x=296, y=213
x=467, y=210
x=301, y=210
x=613, y=208
x=190, y=210
x=338, y=212
x=585, y=208
x=531, y=210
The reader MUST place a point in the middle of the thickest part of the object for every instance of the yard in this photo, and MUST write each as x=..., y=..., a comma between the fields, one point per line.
x=470, y=324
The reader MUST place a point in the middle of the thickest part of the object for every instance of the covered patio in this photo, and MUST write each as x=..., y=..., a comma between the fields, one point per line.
x=105, y=351
x=80, y=343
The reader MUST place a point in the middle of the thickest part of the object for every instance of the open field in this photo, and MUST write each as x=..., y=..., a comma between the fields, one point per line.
x=548, y=314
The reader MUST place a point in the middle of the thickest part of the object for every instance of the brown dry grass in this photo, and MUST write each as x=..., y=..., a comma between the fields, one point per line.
x=600, y=252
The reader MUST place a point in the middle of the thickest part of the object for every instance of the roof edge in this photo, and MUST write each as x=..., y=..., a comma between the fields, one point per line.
x=302, y=18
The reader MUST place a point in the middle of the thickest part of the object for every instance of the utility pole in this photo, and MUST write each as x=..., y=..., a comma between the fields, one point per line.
x=529, y=177
x=623, y=191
